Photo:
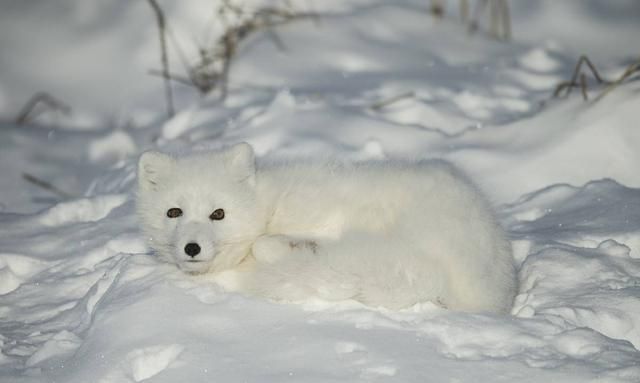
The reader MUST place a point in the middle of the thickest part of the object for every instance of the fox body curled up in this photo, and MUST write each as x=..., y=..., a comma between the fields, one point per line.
x=386, y=233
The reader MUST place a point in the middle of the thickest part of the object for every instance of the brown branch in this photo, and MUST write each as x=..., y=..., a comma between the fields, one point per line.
x=212, y=70
x=464, y=11
x=631, y=69
x=583, y=86
x=392, y=100
x=494, y=18
x=46, y=185
x=579, y=79
x=172, y=76
x=44, y=98
x=164, y=58
x=215, y=64
x=560, y=87
x=474, y=23
x=437, y=8
x=506, y=20
x=585, y=60
x=499, y=18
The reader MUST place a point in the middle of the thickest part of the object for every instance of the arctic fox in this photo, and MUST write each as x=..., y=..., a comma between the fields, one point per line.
x=386, y=233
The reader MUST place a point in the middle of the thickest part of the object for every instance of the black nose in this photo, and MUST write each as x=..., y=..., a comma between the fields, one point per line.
x=192, y=249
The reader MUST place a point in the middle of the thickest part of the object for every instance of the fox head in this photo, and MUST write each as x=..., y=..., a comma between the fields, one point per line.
x=200, y=211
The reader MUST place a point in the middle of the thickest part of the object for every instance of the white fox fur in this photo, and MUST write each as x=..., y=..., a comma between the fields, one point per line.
x=386, y=233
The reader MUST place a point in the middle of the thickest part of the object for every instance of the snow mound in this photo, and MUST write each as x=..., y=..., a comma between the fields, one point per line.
x=583, y=265
x=599, y=214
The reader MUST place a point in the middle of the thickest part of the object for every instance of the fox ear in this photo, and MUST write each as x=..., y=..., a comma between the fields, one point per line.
x=241, y=160
x=151, y=167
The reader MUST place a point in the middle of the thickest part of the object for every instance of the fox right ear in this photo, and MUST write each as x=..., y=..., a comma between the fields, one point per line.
x=151, y=166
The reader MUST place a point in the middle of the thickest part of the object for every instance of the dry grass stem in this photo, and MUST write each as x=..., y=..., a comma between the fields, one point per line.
x=46, y=185
x=211, y=71
x=164, y=56
x=630, y=71
x=499, y=18
x=437, y=8
x=579, y=79
x=392, y=100
x=30, y=110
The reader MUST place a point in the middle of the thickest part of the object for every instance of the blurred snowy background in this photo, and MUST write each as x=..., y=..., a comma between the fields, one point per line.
x=81, y=299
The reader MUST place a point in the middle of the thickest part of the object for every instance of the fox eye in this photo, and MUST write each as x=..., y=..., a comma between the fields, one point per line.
x=217, y=215
x=174, y=212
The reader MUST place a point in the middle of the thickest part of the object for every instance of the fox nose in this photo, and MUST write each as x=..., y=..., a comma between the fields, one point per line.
x=192, y=249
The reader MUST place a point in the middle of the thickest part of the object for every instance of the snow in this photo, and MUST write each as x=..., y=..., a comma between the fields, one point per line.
x=60, y=345
x=82, y=299
x=115, y=146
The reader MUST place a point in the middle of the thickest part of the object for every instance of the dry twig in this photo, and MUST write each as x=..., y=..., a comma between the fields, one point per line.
x=499, y=18
x=164, y=57
x=464, y=11
x=46, y=185
x=579, y=79
x=42, y=98
x=212, y=71
x=392, y=100
x=631, y=69
x=437, y=8
x=172, y=76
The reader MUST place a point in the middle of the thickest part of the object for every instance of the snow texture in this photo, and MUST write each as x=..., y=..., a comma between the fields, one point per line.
x=83, y=300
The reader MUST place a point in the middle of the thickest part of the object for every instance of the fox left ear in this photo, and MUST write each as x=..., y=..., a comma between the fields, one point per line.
x=242, y=161
x=151, y=168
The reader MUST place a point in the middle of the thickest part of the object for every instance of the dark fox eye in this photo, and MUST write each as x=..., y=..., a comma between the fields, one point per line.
x=217, y=215
x=174, y=212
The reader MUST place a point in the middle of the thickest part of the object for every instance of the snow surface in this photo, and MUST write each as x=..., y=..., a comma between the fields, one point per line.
x=82, y=300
